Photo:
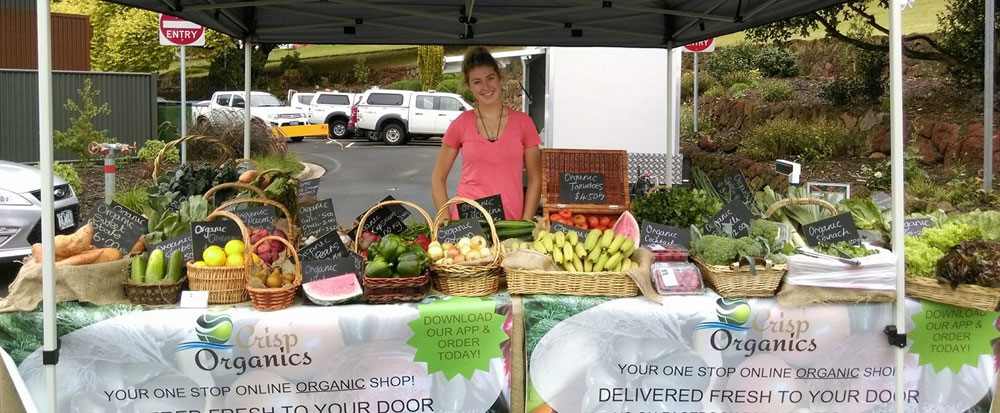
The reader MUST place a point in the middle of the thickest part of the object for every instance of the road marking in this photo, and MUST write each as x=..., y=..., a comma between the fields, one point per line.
x=409, y=173
x=350, y=144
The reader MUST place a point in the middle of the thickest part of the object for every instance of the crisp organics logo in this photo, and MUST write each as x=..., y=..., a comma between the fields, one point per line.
x=213, y=332
x=733, y=314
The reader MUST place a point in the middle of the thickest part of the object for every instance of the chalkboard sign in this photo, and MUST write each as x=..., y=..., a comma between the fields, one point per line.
x=257, y=217
x=652, y=233
x=462, y=228
x=399, y=210
x=318, y=270
x=383, y=222
x=308, y=190
x=735, y=214
x=117, y=227
x=492, y=204
x=175, y=204
x=559, y=226
x=916, y=226
x=882, y=200
x=734, y=186
x=832, y=230
x=207, y=233
x=181, y=243
x=327, y=247
x=318, y=218
x=582, y=188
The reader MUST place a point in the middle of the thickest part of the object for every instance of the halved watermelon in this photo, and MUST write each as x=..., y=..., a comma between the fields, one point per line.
x=334, y=290
x=627, y=227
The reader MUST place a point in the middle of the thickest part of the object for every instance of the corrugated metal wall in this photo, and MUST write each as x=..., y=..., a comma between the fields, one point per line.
x=71, y=36
x=131, y=96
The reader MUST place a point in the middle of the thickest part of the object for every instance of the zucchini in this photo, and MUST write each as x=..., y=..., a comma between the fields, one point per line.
x=138, y=269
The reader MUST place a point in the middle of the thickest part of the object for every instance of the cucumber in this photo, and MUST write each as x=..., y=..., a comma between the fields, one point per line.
x=513, y=233
x=514, y=224
x=154, y=268
x=175, y=267
x=138, y=269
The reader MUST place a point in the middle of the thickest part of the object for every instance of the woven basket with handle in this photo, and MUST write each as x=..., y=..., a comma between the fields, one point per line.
x=154, y=294
x=268, y=299
x=380, y=290
x=966, y=295
x=224, y=157
x=225, y=285
x=294, y=234
x=233, y=185
x=474, y=280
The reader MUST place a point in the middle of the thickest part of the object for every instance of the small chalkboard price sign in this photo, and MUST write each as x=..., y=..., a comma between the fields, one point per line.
x=492, y=204
x=916, y=226
x=257, y=217
x=399, y=210
x=181, y=243
x=318, y=270
x=582, y=188
x=832, y=230
x=462, y=228
x=117, y=227
x=175, y=204
x=327, y=247
x=735, y=214
x=882, y=200
x=580, y=232
x=309, y=189
x=652, y=233
x=383, y=222
x=207, y=233
x=734, y=186
x=318, y=218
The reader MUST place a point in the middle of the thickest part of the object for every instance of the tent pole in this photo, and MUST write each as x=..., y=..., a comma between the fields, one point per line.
x=247, y=47
x=988, y=97
x=49, y=345
x=669, y=167
x=898, y=193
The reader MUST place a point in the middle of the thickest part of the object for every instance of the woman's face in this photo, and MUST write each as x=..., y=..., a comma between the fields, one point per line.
x=484, y=82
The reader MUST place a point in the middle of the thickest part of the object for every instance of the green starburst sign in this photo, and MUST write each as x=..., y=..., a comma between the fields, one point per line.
x=948, y=337
x=458, y=336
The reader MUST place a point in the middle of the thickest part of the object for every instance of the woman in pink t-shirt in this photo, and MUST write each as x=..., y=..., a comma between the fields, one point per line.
x=496, y=144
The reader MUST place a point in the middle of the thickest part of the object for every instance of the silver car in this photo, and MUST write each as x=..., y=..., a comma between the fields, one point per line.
x=21, y=209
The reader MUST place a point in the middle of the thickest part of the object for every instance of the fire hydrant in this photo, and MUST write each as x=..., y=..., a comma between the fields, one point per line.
x=109, y=151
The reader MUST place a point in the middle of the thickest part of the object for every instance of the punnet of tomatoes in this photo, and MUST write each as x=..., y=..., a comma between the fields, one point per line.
x=566, y=216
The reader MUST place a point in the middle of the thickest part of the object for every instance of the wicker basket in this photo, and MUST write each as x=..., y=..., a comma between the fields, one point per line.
x=393, y=290
x=225, y=285
x=734, y=281
x=154, y=294
x=294, y=234
x=468, y=280
x=966, y=295
x=268, y=299
x=603, y=284
x=234, y=185
x=614, y=166
x=224, y=157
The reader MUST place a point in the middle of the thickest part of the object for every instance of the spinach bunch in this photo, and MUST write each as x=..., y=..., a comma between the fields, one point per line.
x=676, y=206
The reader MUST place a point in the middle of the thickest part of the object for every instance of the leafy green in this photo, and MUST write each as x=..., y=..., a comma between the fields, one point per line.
x=765, y=229
x=844, y=249
x=165, y=224
x=866, y=214
x=719, y=250
x=988, y=222
x=794, y=215
x=543, y=312
x=971, y=262
x=676, y=206
x=21, y=332
x=196, y=180
x=921, y=258
x=949, y=235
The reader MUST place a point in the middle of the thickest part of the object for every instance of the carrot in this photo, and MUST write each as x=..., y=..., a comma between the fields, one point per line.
x=70, y=245
x=81, y=258
x=108, y=255
x=139, y=246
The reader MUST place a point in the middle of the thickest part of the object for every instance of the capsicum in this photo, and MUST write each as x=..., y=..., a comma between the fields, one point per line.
x=378, y=268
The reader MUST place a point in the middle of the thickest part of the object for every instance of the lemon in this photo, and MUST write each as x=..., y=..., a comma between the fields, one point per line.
x=256, y=259
x=235, y=247
x=214, y=256
x=234, y=261
x=199, y=264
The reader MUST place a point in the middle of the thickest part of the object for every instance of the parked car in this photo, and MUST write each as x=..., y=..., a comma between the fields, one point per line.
x=21, y=209
x=396, y=116
x=301, y=101
x=228, y=107
x=333, y=109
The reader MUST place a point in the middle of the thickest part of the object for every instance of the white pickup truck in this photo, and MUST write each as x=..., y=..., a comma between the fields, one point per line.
x=228, y=107
x=332, y=109
x=394, y=116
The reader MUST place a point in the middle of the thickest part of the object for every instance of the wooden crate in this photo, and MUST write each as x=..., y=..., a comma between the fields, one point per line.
x=612, y=163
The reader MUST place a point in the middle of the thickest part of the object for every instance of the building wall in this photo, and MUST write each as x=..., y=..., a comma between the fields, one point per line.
x=71, y=36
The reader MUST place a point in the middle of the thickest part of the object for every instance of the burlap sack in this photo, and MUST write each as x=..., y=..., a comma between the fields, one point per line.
x=98, y=284
x=801, y=296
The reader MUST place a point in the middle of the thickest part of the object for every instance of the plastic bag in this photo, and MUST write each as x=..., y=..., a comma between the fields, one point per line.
x=876, y=272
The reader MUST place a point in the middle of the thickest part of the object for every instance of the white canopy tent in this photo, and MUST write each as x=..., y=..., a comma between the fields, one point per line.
x=619, y=23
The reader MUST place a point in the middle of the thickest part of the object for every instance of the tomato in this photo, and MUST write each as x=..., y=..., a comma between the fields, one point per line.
x=565, y=213
x=606, y=222
x=579, y=220
x=593, y=222
x=555, y=218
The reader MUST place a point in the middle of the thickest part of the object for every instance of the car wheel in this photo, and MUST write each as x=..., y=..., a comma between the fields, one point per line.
x=338, y=129
x=372, y=136
x=394, y=134
x=298, y=138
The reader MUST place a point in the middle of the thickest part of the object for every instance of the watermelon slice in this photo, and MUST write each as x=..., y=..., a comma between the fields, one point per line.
x=334, y=290
x=627, y=227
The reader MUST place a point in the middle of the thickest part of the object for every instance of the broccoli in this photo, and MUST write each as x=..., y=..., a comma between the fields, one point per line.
x=765, y=229
x=718, y=250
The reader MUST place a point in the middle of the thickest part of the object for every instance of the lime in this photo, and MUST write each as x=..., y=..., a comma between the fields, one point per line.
x=235, y=247
x=214, y=256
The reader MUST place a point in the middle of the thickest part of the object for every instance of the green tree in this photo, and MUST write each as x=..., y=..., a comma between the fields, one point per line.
x=81, y=131
x=225, y=70
x=126, y=39
x=430, y=63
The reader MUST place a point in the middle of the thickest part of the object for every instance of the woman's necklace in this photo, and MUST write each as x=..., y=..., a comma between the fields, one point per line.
x=482, y=121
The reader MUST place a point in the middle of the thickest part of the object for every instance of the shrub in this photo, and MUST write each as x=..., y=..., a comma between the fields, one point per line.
x=879, y=177
x=288, y=163
x=713, y=92
x=705, y=125
x=409, y=84
x=775, y=61
x=454, y=85
x=840, y=91
x=805, y=142
x=705, y=82
x=293, y=62
x=68, y=173
x=361, y=71
x=769, y=59
x=865, y=81
x=750, y=77
x=229, y=130
x=153, y=147
x=773, y=90
x=430, y=63
x=739, y=90
x=81, y=131
x=135, y=198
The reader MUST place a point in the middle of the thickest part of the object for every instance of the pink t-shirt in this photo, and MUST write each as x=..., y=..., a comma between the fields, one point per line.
x=490, y=168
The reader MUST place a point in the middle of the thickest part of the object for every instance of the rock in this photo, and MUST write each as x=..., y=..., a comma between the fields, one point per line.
x=924, y=128
x=929, y=153
x=878, y=155
x=944, y=135
x=850, y=121
x=707, y=144
x=945, y=206
x=868, y=121
x=879, y=141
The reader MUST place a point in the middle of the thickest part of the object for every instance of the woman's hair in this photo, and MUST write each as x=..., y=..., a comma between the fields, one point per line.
x=475, y=57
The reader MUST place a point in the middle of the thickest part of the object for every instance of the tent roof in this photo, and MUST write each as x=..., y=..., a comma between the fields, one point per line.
x=616, y=23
